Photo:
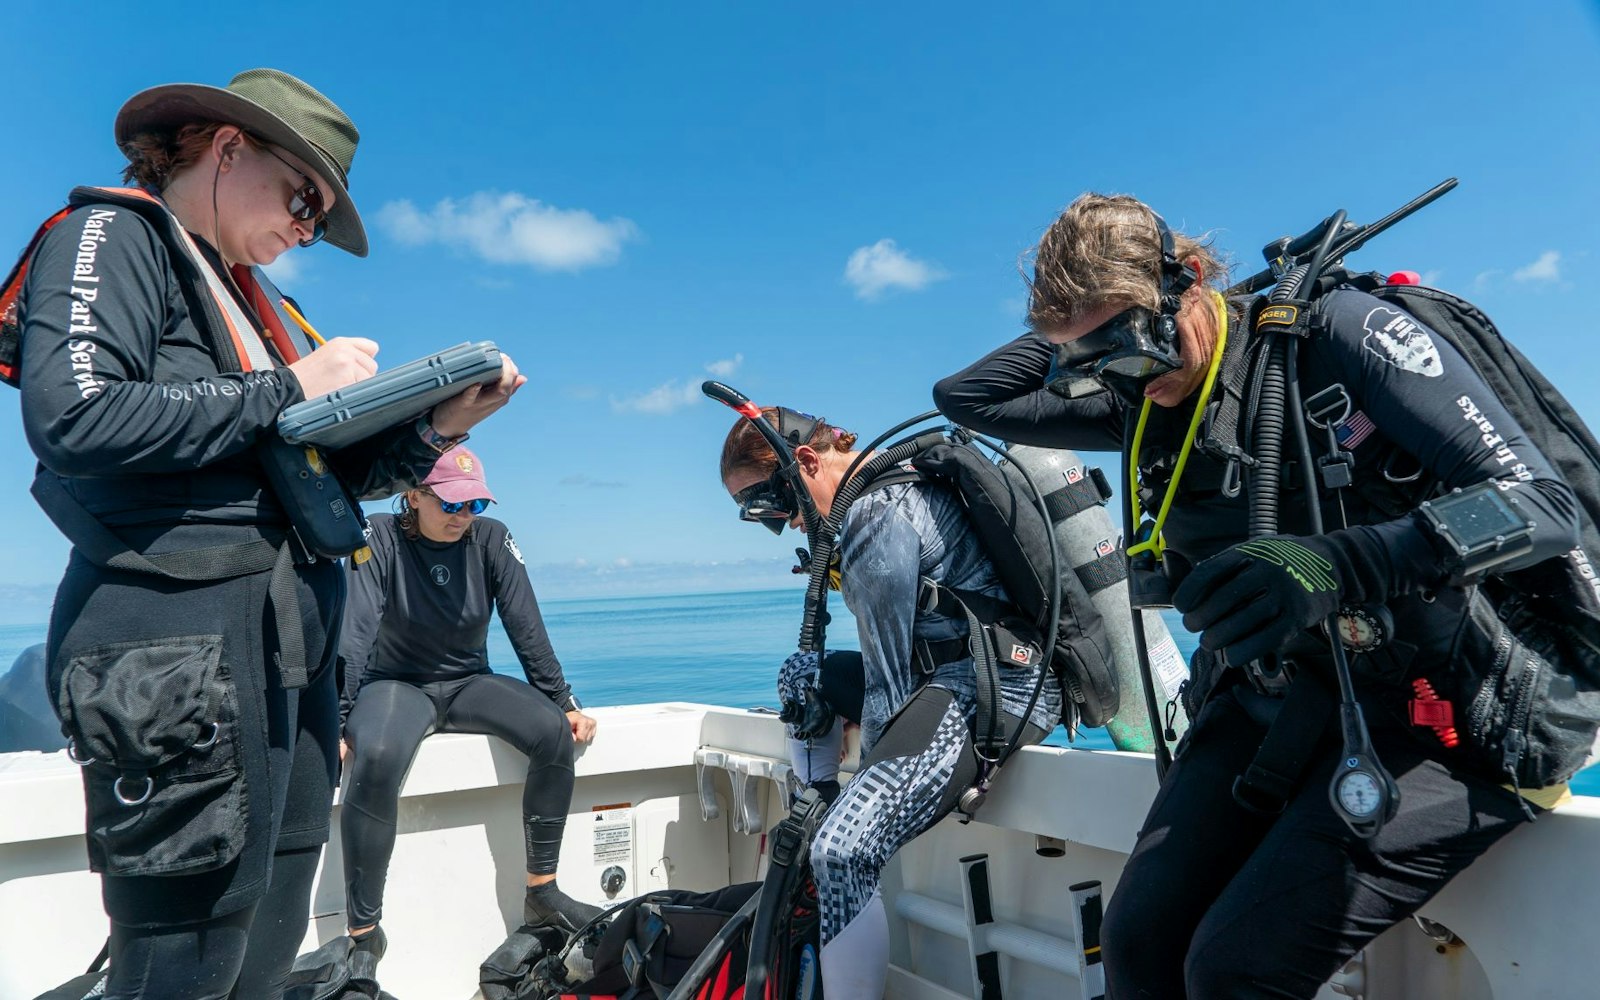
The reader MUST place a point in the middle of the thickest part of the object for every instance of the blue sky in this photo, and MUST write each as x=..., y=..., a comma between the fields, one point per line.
x=824, y=204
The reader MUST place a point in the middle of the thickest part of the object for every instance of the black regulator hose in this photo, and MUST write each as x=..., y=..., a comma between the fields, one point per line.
x=1266, y=476
x=1269, y=414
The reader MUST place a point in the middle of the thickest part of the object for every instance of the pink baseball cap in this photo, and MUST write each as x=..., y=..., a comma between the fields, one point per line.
x=458, y=477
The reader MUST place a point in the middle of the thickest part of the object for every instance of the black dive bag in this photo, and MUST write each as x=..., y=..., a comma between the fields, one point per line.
x=1526, y=673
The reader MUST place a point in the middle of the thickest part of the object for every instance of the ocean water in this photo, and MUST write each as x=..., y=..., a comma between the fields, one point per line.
x=721, y=649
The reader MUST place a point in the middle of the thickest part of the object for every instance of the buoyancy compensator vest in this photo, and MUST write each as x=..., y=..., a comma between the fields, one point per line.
x=1521, y=697
x=1531, y=697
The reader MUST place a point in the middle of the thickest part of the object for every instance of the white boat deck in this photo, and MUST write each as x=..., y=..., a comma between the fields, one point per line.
x=1526, y=915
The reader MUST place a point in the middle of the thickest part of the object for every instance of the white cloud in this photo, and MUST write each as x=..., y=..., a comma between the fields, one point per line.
x=1546, y=268
x=511, y=228
x=676, y=394
x=664, y=398
x=883, y=266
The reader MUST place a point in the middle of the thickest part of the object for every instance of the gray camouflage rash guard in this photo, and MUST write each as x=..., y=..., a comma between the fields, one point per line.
x=891, y=538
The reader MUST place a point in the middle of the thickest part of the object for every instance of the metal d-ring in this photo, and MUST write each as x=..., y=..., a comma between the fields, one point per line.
x=72, y=755
x=1388, y=464
x=149, y=789
x=211, y=738
x=1317, y=406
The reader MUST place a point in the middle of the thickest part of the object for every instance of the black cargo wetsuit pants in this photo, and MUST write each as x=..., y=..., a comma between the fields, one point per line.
x=1220, y=903
x=387, y=725
x=214, y=929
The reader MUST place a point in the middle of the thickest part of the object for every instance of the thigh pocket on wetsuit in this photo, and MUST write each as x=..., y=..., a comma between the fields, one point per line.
x=1527, y=719
x=155, y=725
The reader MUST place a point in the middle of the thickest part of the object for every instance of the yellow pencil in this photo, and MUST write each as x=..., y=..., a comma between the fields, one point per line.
x=301, y=320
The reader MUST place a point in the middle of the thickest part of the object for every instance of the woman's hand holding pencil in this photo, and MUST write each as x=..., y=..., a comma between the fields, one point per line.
x=335, y=363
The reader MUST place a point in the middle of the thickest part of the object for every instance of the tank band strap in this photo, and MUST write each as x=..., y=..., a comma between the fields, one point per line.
x=1093, y=490
x=1111, y=568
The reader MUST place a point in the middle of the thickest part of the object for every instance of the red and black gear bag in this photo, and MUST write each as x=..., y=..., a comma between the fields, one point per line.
x=650, y=942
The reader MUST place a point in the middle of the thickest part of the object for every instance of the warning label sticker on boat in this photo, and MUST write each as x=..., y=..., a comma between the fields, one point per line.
x=613, y=834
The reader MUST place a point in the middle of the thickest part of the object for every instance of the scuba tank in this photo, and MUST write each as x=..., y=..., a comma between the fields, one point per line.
x=1091, y=544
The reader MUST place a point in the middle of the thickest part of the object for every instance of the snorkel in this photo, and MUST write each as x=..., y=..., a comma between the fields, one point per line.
x=819, y=533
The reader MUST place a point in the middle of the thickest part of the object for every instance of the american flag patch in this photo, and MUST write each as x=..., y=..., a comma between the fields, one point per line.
x=1356, y=429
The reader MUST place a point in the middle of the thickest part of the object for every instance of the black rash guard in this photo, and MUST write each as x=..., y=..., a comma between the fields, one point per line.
x=145, y=430
x=1413, y=394
x=419, y=611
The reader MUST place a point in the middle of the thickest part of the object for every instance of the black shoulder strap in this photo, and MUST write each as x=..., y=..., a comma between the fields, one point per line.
x=1224, y=428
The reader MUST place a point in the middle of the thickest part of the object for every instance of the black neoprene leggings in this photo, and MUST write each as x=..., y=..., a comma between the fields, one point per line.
x=388, y=723
x=253, y=947
x=1218, y=903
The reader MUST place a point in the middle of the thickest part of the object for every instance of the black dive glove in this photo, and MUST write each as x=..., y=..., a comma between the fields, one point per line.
x=1251, y=599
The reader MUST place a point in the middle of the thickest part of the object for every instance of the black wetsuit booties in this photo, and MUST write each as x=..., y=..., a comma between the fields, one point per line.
x=416, y=662
x=1217, y=901
x=123, y=401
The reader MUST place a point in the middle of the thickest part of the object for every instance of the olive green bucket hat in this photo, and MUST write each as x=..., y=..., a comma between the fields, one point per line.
x=272, y=106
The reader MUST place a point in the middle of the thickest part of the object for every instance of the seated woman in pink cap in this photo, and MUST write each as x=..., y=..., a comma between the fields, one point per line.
x=415, y=662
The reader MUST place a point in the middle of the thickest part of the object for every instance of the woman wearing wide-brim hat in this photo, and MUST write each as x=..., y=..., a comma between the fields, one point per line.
x=192, y=642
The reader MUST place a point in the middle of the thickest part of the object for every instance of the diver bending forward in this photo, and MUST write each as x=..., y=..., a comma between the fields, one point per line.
x=415, y=663
x=916, y=716
x=1217, y=900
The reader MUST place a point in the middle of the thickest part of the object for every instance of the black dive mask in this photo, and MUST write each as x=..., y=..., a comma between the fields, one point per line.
x=1133, y=347
x=773, y=502
x=1125, y=352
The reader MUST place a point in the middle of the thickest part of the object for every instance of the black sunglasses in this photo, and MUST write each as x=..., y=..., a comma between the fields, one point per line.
x=306, y=203
x=771, y=502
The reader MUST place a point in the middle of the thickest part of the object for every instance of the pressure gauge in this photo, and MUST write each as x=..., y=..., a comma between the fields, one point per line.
x=1363, y=794
x=1359, y=794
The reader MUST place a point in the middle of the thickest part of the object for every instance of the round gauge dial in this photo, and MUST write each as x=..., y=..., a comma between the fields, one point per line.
x=1359, y=629
x=1359, y=793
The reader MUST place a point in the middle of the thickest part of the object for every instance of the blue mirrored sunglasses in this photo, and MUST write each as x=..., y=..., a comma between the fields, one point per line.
x=477, y=506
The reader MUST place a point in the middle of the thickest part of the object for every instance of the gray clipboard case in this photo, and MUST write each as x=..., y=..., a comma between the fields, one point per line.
x=345, y=416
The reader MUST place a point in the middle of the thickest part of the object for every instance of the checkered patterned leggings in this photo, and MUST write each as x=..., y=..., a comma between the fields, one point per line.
x=914, y=776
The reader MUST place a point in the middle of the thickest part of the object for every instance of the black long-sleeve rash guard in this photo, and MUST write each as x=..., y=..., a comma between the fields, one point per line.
x=1409, y=387
x=419, y=610
x=121, y=395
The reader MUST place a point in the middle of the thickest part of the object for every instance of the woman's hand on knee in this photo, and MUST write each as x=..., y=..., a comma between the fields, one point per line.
x=583, y=727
